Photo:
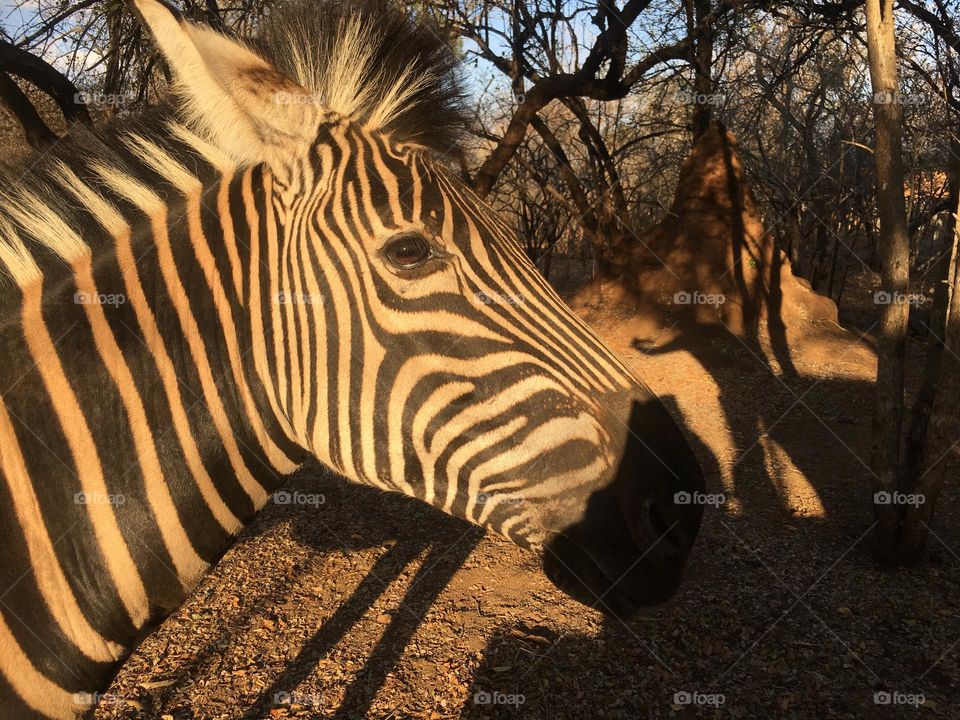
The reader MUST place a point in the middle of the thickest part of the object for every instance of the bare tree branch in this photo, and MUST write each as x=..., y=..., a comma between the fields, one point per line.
x=37, y=133
x=45, y=77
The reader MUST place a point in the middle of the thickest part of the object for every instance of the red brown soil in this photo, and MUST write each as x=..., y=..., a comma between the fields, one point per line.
x=709, y=268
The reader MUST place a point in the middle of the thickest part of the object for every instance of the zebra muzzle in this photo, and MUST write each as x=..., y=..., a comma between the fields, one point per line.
x=627, y=546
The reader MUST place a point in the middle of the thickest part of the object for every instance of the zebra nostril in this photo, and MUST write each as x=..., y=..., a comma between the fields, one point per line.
x=660, y=533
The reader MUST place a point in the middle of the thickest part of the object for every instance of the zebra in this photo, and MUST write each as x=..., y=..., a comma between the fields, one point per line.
x=280, y=265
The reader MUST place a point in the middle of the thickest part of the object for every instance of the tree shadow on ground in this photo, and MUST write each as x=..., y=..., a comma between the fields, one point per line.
x=800, y=443
x=410, y=534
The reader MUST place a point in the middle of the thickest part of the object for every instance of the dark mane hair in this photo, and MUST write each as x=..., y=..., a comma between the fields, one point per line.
x=355, y=54
x=363, y=59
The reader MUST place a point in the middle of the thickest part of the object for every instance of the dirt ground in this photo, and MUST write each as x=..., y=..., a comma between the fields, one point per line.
x=374, y=606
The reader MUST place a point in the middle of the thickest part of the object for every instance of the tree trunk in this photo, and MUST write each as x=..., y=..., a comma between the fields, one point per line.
x=895, y=273
x=926, y=478
x=703, y=68
x=936, y=334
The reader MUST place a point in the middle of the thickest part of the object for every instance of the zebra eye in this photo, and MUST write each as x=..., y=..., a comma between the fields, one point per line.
x=408, y=251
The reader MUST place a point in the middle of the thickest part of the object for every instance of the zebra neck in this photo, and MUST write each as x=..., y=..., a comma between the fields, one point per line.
x=280, y=295
x=134, y=438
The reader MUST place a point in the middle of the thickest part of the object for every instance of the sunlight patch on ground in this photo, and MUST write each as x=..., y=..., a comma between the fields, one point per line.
x=678, y=379
x=796, y=490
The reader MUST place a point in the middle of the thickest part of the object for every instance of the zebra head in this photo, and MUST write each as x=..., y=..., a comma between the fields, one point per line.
x=398, y=330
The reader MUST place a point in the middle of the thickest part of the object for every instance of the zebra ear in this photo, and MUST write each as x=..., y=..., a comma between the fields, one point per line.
x=241, y=102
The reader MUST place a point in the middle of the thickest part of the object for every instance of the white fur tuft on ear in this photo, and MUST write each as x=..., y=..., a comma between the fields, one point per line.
x=234, y=97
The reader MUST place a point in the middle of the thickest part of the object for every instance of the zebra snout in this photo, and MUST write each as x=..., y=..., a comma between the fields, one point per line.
x=626, y=547
x=621, y=560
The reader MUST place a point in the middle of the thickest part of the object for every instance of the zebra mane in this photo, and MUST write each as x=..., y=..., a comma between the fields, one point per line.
x=364, y=59
x=370, y=61
x=59, y=205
